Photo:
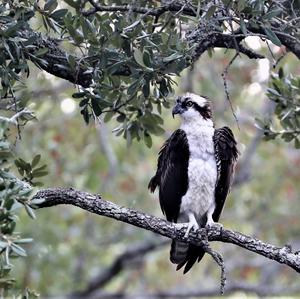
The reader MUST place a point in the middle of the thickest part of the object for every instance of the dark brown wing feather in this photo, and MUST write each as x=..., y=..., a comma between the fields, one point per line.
x=226, y=154
x=172, y=179
x=172, y=174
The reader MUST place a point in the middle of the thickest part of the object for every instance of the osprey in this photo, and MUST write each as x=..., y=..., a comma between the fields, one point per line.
x=194, y=173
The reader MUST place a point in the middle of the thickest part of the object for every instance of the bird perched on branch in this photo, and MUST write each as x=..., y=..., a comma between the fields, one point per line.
x=194, y=173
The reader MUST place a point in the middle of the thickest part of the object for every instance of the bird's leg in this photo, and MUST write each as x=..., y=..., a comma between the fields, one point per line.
x=210, y=222
x=191, y=224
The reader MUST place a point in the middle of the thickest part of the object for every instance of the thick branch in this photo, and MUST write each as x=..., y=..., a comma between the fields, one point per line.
x=189, y=10
x=216, y=39
x=56, y=60
x=94, y=204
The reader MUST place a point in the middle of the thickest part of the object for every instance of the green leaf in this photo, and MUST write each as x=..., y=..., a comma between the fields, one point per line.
x=78, y=95
x=134, y=87
x=147, y=139
x=35, y=161
x=73, y=3
x=272, y=13
x=50, y=5
x=37, y=184
x=41, y=52
x=146, y=89
x=226, y=2
x=29, y=211
x=172, y=57
x=39, y=173
x=59, y=14
x=96, y=107
x=41, y=168
x=24, y=241
x=138, y=56
x=272, y=37
x=18, y=250
x=108, y=116
x=243, y=26
x=281, y=73
x=241, y=5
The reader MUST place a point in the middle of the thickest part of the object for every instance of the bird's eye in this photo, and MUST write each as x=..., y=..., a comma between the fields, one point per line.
x=189, y=103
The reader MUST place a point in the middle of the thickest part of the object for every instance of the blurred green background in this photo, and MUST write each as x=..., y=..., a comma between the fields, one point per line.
x=72, y=247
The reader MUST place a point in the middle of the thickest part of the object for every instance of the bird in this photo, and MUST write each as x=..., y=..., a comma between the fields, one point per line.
x=194, y=173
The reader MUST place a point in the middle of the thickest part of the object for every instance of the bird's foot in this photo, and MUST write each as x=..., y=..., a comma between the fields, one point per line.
x=211, y=224
x=191, y=224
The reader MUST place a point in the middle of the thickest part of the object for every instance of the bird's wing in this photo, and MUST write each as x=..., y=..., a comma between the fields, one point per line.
x=226, y=154
x=172, y=174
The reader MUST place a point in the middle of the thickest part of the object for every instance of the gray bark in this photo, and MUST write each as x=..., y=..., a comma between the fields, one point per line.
x=95, y=204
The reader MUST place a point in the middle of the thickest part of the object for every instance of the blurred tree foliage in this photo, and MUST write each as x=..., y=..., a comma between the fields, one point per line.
x=125, y=59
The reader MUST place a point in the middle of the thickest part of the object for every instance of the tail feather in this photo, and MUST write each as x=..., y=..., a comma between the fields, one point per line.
x=194, y=253
x=184, y=254
x=178, y=251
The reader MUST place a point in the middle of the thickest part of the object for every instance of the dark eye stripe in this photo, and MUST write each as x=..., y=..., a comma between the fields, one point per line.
x=204, y=111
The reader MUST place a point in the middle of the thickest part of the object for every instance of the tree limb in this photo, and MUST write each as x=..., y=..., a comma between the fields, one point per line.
x=96, y=205
x=123, y=261
x=174, y=6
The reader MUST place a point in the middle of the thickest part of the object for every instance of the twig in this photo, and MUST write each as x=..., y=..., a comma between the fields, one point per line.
x=14, y=119
x=220, y=262
x=224, y=76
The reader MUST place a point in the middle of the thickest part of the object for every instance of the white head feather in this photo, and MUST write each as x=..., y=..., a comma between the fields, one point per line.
x=201, y=101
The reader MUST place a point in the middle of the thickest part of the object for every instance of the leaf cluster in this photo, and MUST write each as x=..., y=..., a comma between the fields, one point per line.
x=115, y=46
x=14, y=194
x=284, y=91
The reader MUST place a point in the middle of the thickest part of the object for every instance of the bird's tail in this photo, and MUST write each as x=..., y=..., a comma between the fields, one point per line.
x=182, y=253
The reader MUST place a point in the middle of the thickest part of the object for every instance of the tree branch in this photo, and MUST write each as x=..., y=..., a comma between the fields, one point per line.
x=123, y=261
x=215, y=39
x=96, y=205
x=189, y=10
x=202, y=38
x=56, y=59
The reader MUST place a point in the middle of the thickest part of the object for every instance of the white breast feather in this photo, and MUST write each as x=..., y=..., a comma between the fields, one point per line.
x=202, y=169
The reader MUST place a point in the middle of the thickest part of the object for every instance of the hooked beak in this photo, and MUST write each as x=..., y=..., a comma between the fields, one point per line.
x=177, y=109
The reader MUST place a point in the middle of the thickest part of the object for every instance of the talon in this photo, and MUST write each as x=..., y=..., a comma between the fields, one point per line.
x=192, y=224
x=214, y=224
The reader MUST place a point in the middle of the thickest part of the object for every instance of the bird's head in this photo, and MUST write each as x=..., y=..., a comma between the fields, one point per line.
x=193, y=107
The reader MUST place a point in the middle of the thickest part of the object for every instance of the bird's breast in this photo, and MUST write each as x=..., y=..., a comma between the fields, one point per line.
x=202, y=172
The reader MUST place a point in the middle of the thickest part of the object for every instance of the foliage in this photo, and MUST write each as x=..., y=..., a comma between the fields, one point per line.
x=14, y=194
x=130, y=55
x=284, y=91
x=125, y=58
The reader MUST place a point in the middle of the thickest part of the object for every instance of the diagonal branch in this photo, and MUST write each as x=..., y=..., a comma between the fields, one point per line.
x=96, y=205
x=123, y=261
